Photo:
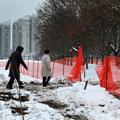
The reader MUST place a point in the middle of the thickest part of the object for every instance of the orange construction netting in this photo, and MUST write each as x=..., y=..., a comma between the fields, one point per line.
x=109, y=74
x=70, y=67
x=75, y=74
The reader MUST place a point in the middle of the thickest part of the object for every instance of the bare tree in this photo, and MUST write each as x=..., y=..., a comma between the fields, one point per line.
x=95, y=24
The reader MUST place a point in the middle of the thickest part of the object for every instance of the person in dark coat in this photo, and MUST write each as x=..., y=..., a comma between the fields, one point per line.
x=13, y=64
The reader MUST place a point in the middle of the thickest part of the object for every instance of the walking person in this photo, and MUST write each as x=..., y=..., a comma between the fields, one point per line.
x=13, y=64
x=46, y=68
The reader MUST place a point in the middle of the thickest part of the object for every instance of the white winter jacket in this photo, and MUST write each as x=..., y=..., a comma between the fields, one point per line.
x=46, y=67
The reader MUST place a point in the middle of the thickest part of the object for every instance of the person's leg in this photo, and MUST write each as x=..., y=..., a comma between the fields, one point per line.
x=44, y=81
x=48, y=79
x=20, y=83
x=10, y=83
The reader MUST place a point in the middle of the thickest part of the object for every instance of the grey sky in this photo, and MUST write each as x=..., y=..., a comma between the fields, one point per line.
x=13, y=9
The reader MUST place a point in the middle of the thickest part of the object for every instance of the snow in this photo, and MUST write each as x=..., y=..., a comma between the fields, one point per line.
x=92, y=98
x=95, y=103
x=91, y=73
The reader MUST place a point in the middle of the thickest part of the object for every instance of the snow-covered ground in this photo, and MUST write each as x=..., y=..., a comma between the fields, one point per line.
x=61, y=100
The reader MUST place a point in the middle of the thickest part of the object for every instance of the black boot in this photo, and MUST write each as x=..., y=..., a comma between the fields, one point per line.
x=21, y=82
x=9, y=87
x=10, y=83
x=44, y=82
x=21, y=86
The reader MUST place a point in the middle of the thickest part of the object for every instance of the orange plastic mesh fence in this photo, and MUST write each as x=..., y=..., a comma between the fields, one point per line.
x=109, y=74
x=70, y=67
x=75, y=74
x=59, y=67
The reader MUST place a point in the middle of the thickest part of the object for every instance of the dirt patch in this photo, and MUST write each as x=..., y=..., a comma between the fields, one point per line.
x=116, y=96
x=77, y=117
x=21, y=98
x=36, y=86
x=101, y=105
x=6, y=96
x=19, y=110
x=34, y=83
x=54, y=104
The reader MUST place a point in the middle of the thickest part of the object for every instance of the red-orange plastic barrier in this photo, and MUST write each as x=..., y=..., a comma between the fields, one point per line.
x=34, y=69
x=109, y=74
x=63, y=67
x=75, y=74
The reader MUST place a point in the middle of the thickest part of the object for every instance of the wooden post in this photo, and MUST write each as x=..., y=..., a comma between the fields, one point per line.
x=86, y=83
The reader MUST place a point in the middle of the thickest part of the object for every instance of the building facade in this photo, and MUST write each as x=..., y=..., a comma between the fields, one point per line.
x=5, y=38
x=23, y=34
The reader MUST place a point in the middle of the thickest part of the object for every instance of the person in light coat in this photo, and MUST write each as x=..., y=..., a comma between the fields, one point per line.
x=46, y=68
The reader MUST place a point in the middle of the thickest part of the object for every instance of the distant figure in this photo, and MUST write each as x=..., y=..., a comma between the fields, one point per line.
x=13, y=63
x=46, y=68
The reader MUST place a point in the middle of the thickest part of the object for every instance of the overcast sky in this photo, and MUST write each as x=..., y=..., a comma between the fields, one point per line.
x=13, y=9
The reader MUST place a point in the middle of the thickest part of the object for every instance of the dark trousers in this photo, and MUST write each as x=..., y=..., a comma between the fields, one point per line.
x=46, y=80
x=11, y=81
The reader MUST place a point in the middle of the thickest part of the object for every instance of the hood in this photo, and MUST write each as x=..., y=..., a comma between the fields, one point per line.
x=19, y=49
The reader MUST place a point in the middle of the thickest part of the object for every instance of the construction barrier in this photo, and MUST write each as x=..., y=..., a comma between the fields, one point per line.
x=59, y=67
x=75, y=74
x=34, y=68
x=69, y=67
x=109, y=74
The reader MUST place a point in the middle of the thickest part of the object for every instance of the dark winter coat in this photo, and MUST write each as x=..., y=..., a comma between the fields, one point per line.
x=14, y=63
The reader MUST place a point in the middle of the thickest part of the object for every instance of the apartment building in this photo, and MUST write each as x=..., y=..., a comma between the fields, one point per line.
x=5, y=37
x=23, y=34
